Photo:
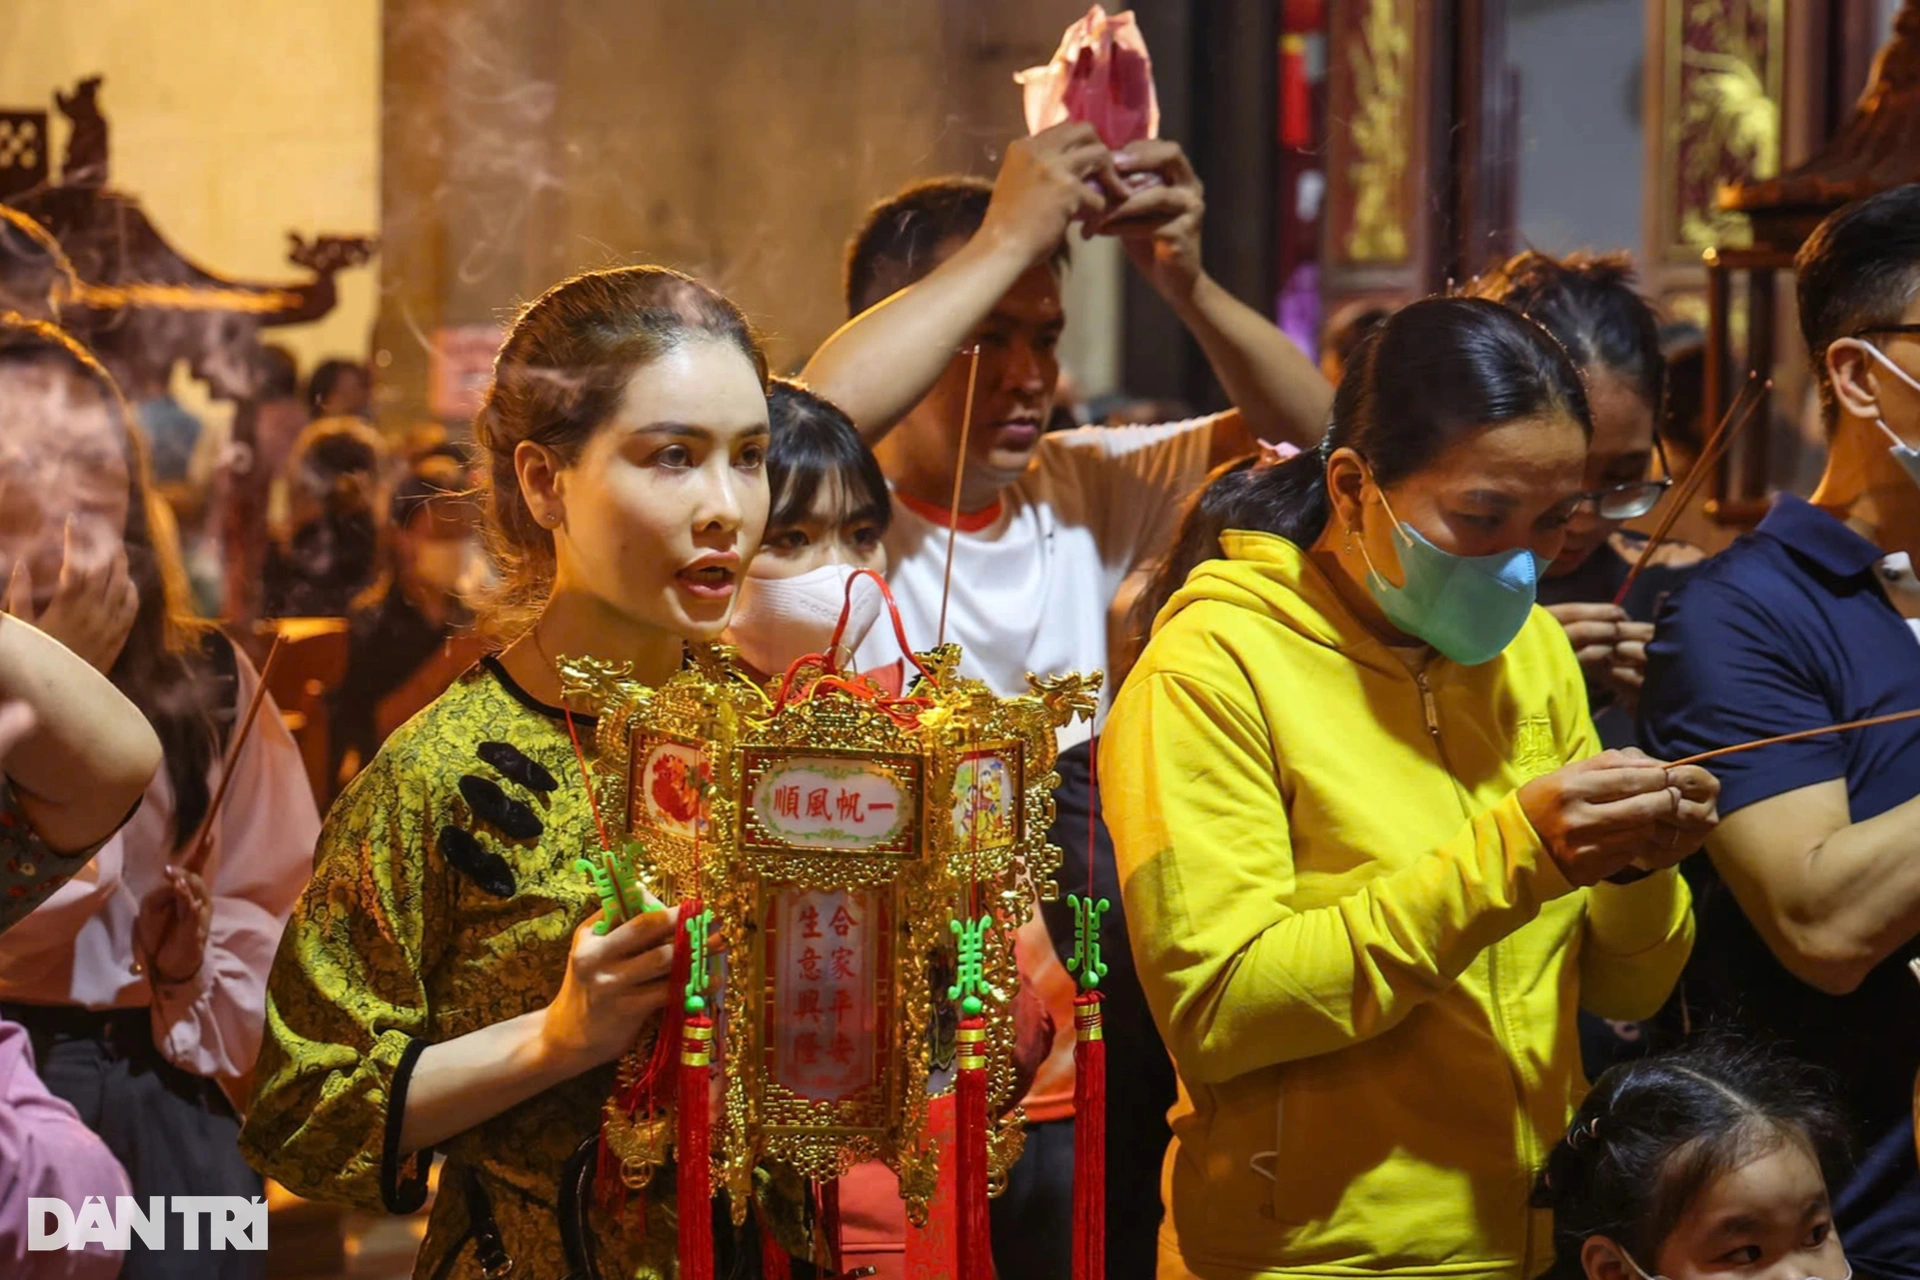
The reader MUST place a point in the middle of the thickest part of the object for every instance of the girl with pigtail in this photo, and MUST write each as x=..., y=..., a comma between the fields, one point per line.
x=1712, y=1162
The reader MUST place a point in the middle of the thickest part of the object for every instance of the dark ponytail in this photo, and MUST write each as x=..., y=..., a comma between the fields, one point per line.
x=1655, y=1133
x=1421, y=379
x=1220, y=499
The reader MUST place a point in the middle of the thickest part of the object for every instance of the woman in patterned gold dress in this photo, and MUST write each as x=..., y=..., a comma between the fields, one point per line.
x=439, y=987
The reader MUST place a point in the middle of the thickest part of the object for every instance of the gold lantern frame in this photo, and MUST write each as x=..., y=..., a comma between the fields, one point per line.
x=724, y=738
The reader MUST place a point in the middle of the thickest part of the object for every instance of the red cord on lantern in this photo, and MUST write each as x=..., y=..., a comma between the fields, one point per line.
x=693, y=1147
x=775, y=1262
x=586, y=779
x=970, y=1090
x=1090, y=1091
x=902, y=709
x=1089, y=1139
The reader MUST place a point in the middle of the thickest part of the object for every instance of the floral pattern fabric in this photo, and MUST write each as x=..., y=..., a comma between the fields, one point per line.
x=29, y=870
x=444, y=899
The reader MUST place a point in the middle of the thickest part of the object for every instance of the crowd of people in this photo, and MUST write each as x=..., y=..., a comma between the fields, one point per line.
x=1396, y=784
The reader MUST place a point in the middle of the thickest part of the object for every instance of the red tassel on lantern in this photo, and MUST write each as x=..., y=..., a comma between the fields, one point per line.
x=931, y=1249
x=976, y=1235
x=694, y=1146
x=775, y=1263
x=1089, y=1139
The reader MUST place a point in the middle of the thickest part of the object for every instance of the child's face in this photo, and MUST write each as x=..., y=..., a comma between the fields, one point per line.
x=832, y=532
x=1766, y=1220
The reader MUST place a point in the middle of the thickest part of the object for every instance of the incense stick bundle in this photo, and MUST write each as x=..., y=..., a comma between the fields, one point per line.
x=196, y=858
x=1716, y=444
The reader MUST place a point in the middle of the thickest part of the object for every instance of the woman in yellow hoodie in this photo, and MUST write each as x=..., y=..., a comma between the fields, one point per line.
x=1372, y=856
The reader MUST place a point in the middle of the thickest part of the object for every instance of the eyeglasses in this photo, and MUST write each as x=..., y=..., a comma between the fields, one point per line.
x=1885, y=328
x=1635, y=498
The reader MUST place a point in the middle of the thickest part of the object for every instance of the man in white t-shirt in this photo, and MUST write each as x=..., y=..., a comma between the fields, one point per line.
x=1049, y=527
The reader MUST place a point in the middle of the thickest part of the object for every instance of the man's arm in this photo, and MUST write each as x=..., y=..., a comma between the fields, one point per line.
x=1832, y=897
x=879, y=364
x=1280, y=393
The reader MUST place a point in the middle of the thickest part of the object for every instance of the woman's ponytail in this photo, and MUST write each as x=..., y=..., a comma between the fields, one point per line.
x=1290, y=497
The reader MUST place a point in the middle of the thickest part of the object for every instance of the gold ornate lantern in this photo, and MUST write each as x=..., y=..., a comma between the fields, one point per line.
x=836, y=833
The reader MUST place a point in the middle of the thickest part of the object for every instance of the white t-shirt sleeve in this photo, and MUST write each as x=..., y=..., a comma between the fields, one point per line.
x=1134, y=482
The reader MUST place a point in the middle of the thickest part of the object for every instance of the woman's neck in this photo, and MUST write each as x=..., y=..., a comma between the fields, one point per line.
x=576, y=625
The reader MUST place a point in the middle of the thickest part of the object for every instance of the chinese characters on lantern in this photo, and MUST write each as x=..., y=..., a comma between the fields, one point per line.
x=826, y=1016
x=828, y=803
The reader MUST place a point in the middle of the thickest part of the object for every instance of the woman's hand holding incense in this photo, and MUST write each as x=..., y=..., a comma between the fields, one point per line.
x=1626, y=667
x=614, y=984
x=1696, y=813
x=1600, y=815
x=170, y=933
x=1610, y=647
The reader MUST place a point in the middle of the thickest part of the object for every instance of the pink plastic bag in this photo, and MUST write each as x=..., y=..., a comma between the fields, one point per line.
x=1101, y=74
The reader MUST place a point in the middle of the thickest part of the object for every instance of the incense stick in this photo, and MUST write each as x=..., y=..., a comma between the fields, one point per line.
x=1795, y=737
x=196, y=857
x=953, y=508
x=1709, y=457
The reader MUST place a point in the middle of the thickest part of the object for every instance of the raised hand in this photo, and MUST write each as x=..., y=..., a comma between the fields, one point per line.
x=93, y=606
x=1159, y=220
x=1046, y=183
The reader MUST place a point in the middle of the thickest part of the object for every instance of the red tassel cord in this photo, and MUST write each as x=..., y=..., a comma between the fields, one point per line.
x=651, y=1091
x=1089, y=1140
x=694, y=1141
x=976, y=1236
x=930, y=1249
x=694, y=1148
x=1089, y=1092
x=775, y=1264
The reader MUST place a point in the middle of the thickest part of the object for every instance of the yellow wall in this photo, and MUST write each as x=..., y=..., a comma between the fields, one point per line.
x=233, y=121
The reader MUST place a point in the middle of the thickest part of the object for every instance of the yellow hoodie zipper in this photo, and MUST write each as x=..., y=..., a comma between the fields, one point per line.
x=1426, y=706
x=1430, y=710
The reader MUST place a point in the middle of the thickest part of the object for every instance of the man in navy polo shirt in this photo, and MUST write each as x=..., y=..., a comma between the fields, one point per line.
x=1814, y=906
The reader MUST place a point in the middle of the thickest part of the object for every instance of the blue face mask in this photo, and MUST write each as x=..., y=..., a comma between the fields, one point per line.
x=1468, y=607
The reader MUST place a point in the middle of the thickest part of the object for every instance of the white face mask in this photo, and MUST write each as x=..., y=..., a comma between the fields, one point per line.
x=1907, y=455
x=778, y=619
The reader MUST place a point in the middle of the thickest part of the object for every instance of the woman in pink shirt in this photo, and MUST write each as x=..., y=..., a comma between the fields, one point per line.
x=75, y=755
x=141, y=981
